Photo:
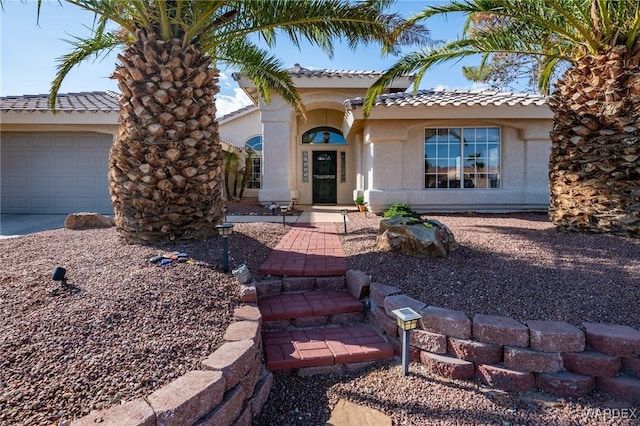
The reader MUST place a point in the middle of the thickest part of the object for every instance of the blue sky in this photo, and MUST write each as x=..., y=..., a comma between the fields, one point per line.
x=29, y=51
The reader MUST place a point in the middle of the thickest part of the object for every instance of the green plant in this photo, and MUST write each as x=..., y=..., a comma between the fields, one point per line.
x=359, y=201
x=399, y=209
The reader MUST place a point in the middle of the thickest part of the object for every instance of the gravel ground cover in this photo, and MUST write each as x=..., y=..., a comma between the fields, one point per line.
x=133, y=327
x=513, y=265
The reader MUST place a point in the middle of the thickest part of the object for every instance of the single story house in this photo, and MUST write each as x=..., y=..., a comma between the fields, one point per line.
x=438, y=151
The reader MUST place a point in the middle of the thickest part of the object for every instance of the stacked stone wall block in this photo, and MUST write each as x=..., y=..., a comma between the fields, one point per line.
x=188, y=398
x=310, y=321
x=248, y=293
x=247, y=312
x=427, y=341
x=331, y=283
x=268, y=288
x=555, y=336
x=132, y=413
x=298, y=283
x=506, y=379
x=447, y=366
x=631, y=367
x=233, y=360
x=500, y=330
x=384, y=322
x=261, y=392
x=532, y=360
x=565, y=384
x=378, y=292
x=243, y=330
x=346, y=318
x=276, y=325
x=392, y=303
x=449, y=322
x=227, y=411
x=621, y=387
x=618, y=340
x=591, y=363
x=358, y=283
x=478, y=352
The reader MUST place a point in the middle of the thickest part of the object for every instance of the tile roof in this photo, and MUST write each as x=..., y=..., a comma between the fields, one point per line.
x=451, y=97
x=299, y=71
x=237, y=112
x=65, y=102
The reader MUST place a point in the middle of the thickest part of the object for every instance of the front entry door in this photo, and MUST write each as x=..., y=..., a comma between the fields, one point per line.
x=324, y=177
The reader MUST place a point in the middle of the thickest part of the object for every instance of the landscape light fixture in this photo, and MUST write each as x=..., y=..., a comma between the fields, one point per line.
x=224, y=212
x=224, y=230
x=59, y=275
x=283, y=210
x=343, y=212
x=293, y=202
x=407, y=319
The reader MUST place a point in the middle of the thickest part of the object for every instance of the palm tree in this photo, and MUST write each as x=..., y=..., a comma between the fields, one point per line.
x=165, y=165
x=594, y=167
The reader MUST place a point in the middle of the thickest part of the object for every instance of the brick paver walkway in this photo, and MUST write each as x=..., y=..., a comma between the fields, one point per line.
x=309, y=304
x=324, y=346
x=308, y=250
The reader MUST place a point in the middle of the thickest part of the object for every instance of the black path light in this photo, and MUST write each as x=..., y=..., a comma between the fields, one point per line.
x=343, y=212
x=59, y=274
x=283, y=210
x=407, y=319
x=224, y=212
x=224, y=230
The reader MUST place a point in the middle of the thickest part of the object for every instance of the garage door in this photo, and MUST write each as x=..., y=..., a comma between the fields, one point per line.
x=55, y=173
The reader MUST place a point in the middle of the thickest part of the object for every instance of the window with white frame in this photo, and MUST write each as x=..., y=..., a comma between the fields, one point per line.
x=255, y=175
x=462, y=158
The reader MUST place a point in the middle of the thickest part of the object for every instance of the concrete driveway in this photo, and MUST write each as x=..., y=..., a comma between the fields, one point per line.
x=13, y=225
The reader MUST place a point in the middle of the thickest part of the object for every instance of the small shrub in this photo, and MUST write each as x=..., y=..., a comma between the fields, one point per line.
x=359, y=201
x=399, y=209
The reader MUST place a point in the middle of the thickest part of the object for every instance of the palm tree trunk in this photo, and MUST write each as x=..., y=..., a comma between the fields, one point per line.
x=594, y=170
x=166, y=162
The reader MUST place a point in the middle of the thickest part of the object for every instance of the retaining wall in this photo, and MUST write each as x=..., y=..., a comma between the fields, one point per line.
x=552, y=356
x=230, y=388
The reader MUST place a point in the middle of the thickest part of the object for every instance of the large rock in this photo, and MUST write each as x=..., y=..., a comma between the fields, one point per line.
x=88, y=221
x=415, y=237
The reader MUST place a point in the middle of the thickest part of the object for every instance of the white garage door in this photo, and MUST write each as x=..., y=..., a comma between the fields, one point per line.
x=55, y=173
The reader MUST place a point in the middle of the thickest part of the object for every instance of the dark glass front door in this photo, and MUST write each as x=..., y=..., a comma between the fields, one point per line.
x=324, y=177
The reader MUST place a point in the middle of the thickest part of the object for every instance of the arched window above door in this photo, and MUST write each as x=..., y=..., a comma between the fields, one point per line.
x=322, y=135
x=255, y=143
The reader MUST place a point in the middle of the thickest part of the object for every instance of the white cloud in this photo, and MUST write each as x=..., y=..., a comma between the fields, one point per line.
x=233, y=101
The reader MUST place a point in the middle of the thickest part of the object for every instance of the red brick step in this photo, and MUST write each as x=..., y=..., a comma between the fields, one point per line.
x=324, y=346
x=302, y=305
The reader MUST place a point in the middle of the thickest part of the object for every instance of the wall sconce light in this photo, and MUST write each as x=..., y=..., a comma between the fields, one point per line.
x=407, y=319
x=224, y=230
x=343, y=212
x=283, y=210
x=325, y=137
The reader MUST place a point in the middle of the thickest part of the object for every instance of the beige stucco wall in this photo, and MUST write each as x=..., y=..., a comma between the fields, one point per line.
x=393, y=167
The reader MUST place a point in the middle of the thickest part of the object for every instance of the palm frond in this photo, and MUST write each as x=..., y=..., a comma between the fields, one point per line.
x=83, y=49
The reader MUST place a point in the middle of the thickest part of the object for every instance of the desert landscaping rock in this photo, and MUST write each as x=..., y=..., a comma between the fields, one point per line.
x=135, y=327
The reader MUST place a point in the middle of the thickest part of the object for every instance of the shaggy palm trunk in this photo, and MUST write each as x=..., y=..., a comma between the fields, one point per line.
x=594, y=170
x=165, y=164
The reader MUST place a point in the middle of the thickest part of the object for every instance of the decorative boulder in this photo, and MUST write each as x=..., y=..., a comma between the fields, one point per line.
x=416, y=237
x=87, y=221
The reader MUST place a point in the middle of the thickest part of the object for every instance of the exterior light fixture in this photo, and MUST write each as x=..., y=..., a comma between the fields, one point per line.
x=293, y=203
x=407, y=319
x=224, y=212
x=325, y=136
x=224, y=230
x=343, y=212
x=283, y=210
x=59, y=275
